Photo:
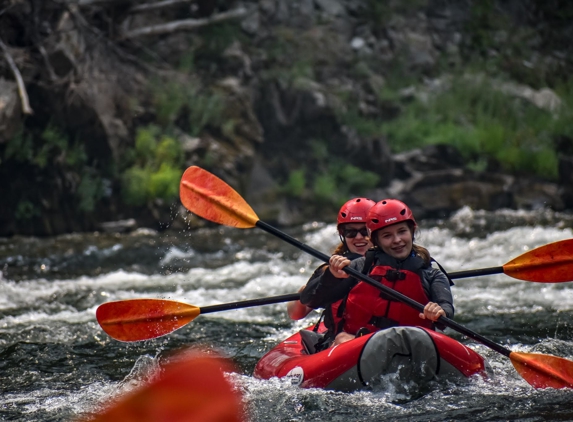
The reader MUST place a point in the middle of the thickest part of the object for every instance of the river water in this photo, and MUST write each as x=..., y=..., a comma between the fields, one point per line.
x=56, y=364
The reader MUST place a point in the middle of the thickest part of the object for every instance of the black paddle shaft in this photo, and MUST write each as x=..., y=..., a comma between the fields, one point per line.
x=475, y=273
x=249, y=303
x=388, y=291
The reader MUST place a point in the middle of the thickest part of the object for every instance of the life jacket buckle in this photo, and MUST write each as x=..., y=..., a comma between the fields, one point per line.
x=395, y=275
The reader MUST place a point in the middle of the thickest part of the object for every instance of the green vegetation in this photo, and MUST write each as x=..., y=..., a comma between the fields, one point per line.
x=26, y=210
x=296, y=184
x=192, y=107
x=479, y=119
x=53, y=149
x=156, y=168
x=214, y=39
x=293, y=56
x=203, y=110
x=332, y=186
x=342, y=181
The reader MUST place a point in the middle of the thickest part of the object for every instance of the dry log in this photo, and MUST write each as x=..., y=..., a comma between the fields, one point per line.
x=148, y=7
x=86, y=3
x=185, y=24
x=26, y=109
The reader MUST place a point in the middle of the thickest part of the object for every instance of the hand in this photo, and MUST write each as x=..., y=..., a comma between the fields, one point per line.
x=336, y=264
x=432, y=311
x=342, y=337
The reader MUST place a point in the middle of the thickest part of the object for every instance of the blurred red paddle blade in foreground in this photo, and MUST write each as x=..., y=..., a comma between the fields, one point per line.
x=192, y=387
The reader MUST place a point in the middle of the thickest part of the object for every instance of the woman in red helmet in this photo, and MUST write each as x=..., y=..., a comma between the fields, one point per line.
x=397, y=263
x=354, y=242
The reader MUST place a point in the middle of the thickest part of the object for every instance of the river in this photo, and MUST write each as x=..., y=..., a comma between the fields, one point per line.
x=56, y=364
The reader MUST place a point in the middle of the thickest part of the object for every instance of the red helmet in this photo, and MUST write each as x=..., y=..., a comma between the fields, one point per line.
x=355, y=211
x=388, y=212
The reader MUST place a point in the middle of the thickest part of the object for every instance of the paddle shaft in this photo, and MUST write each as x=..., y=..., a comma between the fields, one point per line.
x=476, y=273
x=388, y=291
x=249, y=303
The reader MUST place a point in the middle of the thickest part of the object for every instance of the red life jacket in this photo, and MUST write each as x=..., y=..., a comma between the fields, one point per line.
x=368, y=307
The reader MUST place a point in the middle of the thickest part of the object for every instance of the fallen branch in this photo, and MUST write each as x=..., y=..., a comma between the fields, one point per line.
x=26, y=109
x=185, y=25
x=85, y=3
x=147, y=7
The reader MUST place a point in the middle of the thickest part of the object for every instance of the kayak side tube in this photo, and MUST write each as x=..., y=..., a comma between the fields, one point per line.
x=412, y=352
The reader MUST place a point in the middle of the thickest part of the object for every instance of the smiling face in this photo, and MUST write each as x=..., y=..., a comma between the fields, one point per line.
x=358, y=244
x=395, y=240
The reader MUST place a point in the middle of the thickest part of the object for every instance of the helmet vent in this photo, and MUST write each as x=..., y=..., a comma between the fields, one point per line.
x=403, y=211
x=375, y=220
x=343, y=214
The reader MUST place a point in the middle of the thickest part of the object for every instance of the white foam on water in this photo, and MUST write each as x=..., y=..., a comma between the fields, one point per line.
x=41, y=306
x=174, y=253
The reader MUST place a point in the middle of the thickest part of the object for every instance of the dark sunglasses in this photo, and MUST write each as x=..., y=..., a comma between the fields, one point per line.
x=352, y=233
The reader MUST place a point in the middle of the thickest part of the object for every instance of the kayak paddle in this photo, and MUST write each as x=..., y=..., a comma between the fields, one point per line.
x=209, y=197
x=551, y=263
x=144, y=319
x=191, y=387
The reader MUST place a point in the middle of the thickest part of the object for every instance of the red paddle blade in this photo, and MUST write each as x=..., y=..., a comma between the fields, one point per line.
x=144, y=319
x=190, y=390
x=551, y=263
x=209, y=197
x=543, y=371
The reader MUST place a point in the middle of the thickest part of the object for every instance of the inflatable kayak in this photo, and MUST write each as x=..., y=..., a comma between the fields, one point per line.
x=408, y=353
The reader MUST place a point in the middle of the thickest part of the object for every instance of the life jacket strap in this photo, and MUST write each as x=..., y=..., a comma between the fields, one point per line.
x=444, y=271
x=382, y=322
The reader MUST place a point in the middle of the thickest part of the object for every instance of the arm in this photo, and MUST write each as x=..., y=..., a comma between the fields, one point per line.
x=296, y=310
x=326, y=288
x=440, y=295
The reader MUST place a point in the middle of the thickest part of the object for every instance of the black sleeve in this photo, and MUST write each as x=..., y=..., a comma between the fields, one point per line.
x=325, y=288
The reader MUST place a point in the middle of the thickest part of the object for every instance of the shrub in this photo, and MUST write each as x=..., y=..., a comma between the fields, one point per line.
x=90, y=190
x=135, y=182
x=164, y=183
x=296, y=184
x=325, y=188
x=155, y=173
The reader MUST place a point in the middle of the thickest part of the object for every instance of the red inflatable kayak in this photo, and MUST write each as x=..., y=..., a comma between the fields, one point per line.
x=414, y=353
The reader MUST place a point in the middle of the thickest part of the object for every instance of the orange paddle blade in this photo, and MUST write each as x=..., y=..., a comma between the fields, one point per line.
x=144, y=319
x=543, y=371
x=209, y=197
x=192, y=389
x=551, y=263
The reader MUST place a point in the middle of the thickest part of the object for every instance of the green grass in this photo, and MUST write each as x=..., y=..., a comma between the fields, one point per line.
x=331, y=185
x=176, y=101
x=481, y=121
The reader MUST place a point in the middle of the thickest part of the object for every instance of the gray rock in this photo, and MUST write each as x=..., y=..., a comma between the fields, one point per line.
x=331, y=7
x=10, y=110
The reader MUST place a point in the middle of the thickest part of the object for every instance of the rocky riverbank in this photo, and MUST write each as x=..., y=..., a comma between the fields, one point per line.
x=288, y=101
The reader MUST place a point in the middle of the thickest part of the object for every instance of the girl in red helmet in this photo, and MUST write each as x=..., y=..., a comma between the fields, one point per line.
x=354, y=242
x=396, y=262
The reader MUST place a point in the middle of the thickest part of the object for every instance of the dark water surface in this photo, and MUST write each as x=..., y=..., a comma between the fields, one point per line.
x=56, y=364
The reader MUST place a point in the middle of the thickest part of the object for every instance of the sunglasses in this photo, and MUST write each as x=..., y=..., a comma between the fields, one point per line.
x=352, y=233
